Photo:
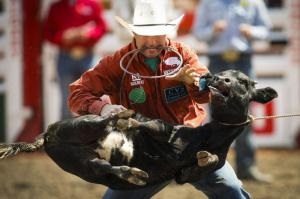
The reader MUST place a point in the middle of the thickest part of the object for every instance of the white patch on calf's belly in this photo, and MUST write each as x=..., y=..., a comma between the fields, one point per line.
x=115, y=140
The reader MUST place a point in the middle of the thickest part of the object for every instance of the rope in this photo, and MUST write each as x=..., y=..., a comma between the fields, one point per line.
x=136, y=51
x=275, y=116
x=251, y=119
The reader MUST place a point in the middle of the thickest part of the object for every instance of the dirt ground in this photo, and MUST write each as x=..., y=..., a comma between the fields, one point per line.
x=35, y=176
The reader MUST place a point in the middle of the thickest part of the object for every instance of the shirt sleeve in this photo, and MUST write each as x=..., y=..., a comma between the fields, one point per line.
x=86, y=92
x=191, y=58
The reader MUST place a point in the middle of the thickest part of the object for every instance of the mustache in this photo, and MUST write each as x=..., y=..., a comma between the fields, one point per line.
x=159, y=47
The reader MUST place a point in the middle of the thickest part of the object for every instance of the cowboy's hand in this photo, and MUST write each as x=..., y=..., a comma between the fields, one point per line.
x=185, y=74
x=110, y=109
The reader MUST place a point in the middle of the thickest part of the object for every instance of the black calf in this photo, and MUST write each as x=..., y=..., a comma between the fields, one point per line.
x=128, y=151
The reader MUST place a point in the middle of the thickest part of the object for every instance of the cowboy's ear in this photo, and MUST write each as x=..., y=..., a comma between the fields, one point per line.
x=264, y=95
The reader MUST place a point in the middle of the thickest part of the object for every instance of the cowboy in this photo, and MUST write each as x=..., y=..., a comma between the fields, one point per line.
x=156, y=77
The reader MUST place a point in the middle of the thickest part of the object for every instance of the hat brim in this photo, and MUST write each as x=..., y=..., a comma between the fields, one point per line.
x=152, y=30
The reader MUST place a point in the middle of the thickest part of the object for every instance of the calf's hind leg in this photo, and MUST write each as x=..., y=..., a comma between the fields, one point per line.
x=84, y=162
x=206, y=159
x=131, y=174
x=207, y=163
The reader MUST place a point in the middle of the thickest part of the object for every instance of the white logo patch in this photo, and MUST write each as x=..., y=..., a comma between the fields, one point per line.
x=136, y=80
x=172, y=61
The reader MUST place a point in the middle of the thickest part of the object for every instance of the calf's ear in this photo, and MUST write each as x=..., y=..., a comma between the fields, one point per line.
x=264, y=95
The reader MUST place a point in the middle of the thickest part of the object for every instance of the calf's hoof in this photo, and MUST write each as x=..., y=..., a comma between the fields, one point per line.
x=132, y=123
x=125, y=114
x=133, y=175
x=127, y=124
x=122, y=124
x=206, y=159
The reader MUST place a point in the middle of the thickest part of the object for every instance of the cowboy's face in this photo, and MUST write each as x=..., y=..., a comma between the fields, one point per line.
x=151, y=45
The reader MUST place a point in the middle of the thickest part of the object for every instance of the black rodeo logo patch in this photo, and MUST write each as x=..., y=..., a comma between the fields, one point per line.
x=175, y=93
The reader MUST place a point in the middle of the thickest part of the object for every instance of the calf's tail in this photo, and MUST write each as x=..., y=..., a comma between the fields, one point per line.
x=7, y=150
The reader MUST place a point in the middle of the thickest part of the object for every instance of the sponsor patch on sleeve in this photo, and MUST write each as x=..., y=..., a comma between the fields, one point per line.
x=175, y=93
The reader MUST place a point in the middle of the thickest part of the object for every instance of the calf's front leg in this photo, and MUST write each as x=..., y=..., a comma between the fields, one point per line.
x=130, y=174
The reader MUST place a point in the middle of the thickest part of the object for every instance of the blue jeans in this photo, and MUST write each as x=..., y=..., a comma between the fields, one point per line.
x=70, y=70
x=244, y=148
x=221, y=184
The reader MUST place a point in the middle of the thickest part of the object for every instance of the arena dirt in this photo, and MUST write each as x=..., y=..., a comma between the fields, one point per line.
x=35, y=176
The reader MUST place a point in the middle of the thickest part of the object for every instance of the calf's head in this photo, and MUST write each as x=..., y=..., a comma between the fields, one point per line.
x=231, y=93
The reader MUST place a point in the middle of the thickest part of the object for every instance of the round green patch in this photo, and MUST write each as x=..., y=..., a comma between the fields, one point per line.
x=137, y=95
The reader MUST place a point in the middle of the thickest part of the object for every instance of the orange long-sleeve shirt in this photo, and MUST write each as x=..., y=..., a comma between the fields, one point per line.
x=171, y=101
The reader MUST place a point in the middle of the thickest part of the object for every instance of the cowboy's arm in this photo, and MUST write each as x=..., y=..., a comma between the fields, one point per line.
x=86, y=92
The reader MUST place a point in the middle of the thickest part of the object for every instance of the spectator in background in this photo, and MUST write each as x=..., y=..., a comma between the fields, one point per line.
x=229, y=27
x=75, y=26
x=124, y=9
x=188, y=7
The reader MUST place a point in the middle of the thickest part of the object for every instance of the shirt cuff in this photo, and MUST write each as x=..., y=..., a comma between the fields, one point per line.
x=96, y=106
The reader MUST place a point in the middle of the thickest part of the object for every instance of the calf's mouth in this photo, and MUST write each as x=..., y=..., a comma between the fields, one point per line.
x=219, y=90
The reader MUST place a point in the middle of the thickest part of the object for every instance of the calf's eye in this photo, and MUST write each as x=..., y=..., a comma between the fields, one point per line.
x=243, y=82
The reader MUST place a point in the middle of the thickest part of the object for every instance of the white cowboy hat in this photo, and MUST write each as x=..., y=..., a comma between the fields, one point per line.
x=150, y=19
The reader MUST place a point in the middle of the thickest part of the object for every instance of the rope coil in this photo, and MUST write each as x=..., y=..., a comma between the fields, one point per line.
x=136, y=51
